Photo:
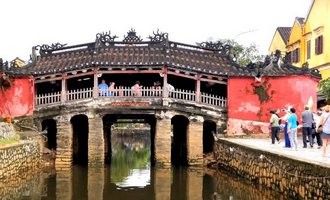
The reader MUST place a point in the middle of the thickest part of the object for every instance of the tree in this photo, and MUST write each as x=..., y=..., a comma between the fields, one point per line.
x=244, y=55
x=324, y=86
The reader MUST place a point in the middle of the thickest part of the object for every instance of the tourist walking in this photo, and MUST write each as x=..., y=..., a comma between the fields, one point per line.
x=316, y=134
x=275, y=128
x=307, y=122
x=286, y=135
x=292, y=129
x=325, y=124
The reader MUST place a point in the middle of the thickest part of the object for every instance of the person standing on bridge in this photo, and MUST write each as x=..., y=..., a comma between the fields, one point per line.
x=111, y=88
x=103, y=88
x=137, y=89
x=275, y=128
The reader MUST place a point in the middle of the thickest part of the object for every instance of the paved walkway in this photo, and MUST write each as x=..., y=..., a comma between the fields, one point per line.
x=310, y=155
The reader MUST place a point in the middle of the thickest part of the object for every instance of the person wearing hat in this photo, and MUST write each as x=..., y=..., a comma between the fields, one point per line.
x=325, y=124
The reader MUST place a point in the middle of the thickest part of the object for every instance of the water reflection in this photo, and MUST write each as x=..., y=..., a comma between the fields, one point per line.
x=130, y=176
x=130, y=162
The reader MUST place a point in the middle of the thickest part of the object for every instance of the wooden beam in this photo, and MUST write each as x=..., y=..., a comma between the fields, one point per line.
x=213, y=81
x=131, y=71
x=181, y=75
x=48, y=80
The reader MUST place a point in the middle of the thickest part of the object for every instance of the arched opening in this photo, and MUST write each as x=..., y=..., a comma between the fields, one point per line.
x=50, y=126
x=129, y=148
x=128, y=128
x=209, y=128
x=80, y=139
x=179, y=140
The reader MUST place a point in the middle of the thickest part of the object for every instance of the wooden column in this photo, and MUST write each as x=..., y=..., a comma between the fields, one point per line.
x=64, y=89
x=165, y=88
x=95, y=88
x=198, y=88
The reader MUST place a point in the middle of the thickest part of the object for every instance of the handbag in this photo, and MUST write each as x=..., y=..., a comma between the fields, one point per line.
x=313, y=125
x=320, y=128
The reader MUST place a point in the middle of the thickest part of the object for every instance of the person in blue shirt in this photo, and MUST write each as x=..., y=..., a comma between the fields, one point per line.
x=292, y=129
x=103, y=88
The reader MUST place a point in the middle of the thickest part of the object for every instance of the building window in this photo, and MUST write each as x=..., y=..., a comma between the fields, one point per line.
x=319, y=45
x=308, y=49
x=295, y=56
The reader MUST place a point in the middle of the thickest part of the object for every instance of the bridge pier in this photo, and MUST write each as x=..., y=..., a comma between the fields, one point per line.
x=163, y=142
x=195, y=143
x=63, y=159
x=95, y=141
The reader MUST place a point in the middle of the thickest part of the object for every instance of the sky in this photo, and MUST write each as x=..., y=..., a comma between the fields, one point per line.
x=24, y=24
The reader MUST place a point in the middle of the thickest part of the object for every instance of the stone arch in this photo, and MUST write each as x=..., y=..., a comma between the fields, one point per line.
x=209, y=128
x=50, y=126
x=79, y=124
x=179, y=154
x=111, y=120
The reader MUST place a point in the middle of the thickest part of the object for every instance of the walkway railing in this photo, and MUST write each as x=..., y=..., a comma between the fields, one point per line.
x=118, y=92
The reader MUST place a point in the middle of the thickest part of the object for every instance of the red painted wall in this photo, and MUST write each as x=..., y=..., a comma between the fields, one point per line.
x=244, y=103
x=18, y=100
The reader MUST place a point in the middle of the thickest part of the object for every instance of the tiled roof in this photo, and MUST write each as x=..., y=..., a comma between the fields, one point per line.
x=175, y=55
x=285, y=33
x=300, y=21
x=208, y=58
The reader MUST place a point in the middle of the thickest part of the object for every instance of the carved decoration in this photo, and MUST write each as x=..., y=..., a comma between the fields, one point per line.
x=132, y=37
x=224, y=49
x=105, y=38
x=46, y=49
x=158, y=36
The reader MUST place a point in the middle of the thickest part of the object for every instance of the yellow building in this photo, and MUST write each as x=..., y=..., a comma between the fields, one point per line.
x=280, y=40
x=308, y=38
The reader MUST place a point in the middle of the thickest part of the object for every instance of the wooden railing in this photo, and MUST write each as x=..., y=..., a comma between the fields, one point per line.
x=49, y=98
x=85, y=93
x=118, y=92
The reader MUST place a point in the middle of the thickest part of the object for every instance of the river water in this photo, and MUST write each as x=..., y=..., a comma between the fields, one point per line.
x=131, y=176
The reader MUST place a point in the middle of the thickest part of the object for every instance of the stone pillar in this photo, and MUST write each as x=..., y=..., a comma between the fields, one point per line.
x=95, y=183
x=63, y=159
x=195, y=142
x=162, y=183
x=195, y=185
x=163, y=142
x=64, y=185
x=95, y=141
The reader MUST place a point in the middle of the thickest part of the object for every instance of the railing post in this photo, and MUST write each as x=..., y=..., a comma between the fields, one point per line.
x=198, y=88
x=95, y=88
x=165, y=87
x=64, y=88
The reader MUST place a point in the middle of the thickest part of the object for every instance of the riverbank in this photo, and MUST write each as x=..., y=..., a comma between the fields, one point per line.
x=301, y=174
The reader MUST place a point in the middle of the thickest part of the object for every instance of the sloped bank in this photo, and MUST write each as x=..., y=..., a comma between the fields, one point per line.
x=16, y=156
x=295, y=179
x=19, y=158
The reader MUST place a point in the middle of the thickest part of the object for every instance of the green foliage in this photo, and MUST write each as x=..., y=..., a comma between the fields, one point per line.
x=9, y=140
x=324, y=86
x=244, y=55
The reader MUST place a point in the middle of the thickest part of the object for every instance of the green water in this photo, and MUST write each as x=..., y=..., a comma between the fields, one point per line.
x=131, y=176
